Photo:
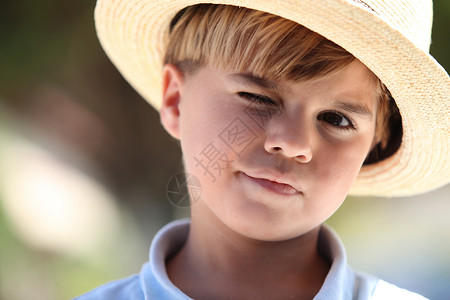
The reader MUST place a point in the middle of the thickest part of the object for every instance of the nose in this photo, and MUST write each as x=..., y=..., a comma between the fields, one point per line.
x=291, y=138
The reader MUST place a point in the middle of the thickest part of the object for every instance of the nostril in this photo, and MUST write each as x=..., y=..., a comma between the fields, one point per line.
x=303, y=158
x=277, y=148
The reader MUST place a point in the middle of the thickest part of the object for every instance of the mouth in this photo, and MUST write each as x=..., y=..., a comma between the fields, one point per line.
x=276, y=187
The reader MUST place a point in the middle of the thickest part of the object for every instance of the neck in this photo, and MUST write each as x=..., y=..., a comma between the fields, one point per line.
x=221, y=258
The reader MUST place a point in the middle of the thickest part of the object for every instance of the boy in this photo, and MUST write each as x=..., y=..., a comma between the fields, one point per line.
x=279, y=123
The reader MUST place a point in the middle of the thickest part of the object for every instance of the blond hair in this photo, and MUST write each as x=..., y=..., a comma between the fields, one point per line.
x=268, y=46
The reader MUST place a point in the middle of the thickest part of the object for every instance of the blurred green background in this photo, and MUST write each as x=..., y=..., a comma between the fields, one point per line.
x=84, y=167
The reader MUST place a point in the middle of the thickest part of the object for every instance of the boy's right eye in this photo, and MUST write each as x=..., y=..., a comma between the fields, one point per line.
x=255, y=98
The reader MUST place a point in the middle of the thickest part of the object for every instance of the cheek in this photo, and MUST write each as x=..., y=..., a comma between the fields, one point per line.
x=213, y=133
x=334, y=174
x=341, y=163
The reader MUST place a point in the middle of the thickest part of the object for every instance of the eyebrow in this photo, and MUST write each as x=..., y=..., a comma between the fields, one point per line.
x=356, y=108
x=253, y=80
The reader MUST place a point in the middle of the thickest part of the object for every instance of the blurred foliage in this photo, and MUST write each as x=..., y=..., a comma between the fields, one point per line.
x=29, y=273
x=37, y=38
x=440, y=46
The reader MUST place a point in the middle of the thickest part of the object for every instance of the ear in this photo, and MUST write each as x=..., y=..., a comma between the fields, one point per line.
x=170, y=107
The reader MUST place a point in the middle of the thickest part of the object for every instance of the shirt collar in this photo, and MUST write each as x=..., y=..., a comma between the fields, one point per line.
x=339, y=283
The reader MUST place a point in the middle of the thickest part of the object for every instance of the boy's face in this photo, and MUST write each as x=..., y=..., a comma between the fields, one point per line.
x=275, y=159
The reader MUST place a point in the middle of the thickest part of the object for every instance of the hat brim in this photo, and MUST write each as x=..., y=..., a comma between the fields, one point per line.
x=134, y=34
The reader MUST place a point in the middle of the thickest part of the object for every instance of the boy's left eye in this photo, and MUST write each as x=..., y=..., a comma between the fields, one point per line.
x=336, y=119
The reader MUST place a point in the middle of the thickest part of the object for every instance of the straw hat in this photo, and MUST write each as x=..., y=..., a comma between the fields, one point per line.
x=391, y=37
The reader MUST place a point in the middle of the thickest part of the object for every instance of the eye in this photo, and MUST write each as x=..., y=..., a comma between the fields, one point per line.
x=336, y=119
x=257, y=98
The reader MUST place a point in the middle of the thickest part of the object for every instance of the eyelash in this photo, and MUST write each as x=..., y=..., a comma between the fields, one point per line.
x=266, y=100
x=257, y=98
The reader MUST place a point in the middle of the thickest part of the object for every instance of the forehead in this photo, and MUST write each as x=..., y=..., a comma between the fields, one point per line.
x=354, y=78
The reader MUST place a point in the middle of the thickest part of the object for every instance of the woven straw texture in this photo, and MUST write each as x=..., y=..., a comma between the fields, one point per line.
x=391, y=37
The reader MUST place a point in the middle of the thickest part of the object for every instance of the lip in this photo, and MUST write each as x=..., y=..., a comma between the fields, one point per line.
x=273, y=185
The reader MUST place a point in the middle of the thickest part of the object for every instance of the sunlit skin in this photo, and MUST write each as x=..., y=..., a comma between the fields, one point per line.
x=254, y=230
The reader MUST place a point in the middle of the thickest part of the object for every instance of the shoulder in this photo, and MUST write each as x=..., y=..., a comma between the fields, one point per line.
x=388, y=291
x=152, y=282
x=127, y=288
x=370, y=287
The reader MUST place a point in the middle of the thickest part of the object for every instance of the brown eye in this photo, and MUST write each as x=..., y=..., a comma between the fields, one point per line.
x=336, y=119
